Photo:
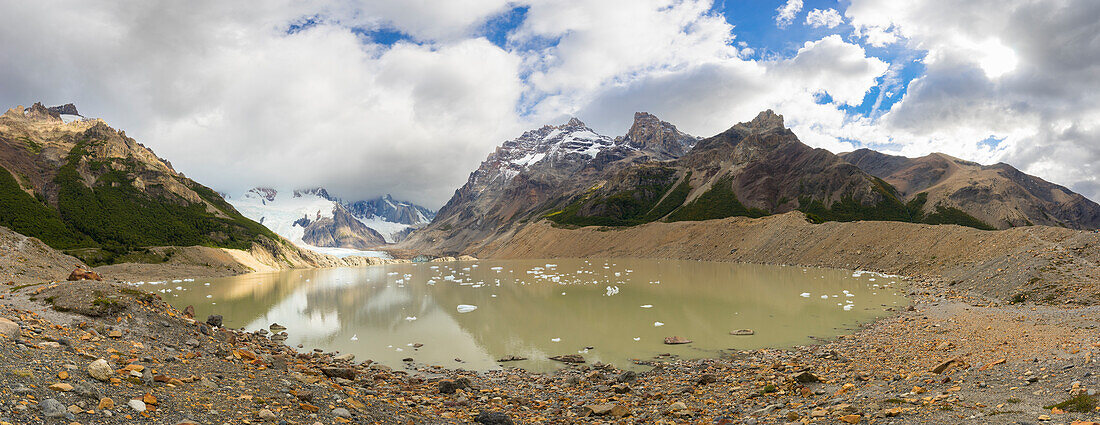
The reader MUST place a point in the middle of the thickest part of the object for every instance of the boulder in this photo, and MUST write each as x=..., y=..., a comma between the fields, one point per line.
x=806, y=378
x=671, y=340
x=614, y=410
x=100, y=370
x=568, y=358
x=81, y=273
x=9, y=328
x=214, y=320
x=493, y=418
x=339, y=372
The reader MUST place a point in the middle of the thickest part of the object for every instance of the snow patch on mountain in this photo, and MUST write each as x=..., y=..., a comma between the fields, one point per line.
x=288, y=212
x=567, y=142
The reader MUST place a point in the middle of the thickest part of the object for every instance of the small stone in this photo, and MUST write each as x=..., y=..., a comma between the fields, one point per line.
x=493, y=418
x=276, y=328
x=266, y=415
x=620, y=388
x=743, y=332
x=189, y=312
x=106, y=403
x=671, y=340
x=341, y=412
x=115, y=334
x=61, y=386
x=851, y=419
x=137, y=405
x=677, y=406
x=896, y=411
x=818, y=413
x=345, y=357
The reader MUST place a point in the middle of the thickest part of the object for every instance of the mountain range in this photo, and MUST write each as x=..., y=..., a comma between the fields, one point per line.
x=315, y=219
x=81, y=186
x=573, y=176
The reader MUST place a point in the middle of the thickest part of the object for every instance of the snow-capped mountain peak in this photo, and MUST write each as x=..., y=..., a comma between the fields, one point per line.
x=552, y=144
x=304, y=216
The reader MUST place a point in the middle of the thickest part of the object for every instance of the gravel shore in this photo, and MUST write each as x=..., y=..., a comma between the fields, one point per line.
x=950, y=358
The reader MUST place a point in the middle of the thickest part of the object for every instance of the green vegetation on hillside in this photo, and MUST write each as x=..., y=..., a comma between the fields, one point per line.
x=121, y=218
x=113, y=221
x=625, y=208
x=717, y=202
x=888, y=208
x=637, y=206
x=26, y=215
x=944, y=214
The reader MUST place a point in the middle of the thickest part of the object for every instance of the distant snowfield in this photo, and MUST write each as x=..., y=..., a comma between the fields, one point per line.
x=346, y=252
x=280, y=213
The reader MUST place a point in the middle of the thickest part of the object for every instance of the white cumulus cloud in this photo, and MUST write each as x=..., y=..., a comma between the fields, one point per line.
x=786, y=13
x=828, y=18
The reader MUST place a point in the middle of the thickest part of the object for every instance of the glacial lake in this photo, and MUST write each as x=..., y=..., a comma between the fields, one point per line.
x=470, y=314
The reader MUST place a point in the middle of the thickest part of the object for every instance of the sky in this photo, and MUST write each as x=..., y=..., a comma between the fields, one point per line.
x=408, y=97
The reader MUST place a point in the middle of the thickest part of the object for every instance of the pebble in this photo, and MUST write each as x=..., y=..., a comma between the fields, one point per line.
x=266, y=415
x=341, y=412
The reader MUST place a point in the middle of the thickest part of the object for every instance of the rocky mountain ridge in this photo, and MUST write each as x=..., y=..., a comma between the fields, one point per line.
x=755, y=168
x=542, y=167
x=997, y=194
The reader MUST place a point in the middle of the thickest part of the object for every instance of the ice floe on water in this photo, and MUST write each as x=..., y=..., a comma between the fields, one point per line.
x=824, y=297
x=612, y=290
x=804, y=295
x=355, y=337
x=410, y=318
x=647, y=306
x=637, y=339
x=466, y=308
x=658, y=324
x=555, y=339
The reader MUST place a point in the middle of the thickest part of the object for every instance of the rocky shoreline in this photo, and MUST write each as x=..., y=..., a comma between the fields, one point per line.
x=950, y=358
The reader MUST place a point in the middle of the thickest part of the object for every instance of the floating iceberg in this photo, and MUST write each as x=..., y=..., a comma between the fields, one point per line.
x=466, y=308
